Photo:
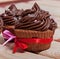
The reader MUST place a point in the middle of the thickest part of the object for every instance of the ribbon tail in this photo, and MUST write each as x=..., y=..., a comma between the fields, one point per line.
x=15, y=49
x=21, y=46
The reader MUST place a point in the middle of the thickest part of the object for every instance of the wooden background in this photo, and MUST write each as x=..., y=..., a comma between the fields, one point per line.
x=3, y=3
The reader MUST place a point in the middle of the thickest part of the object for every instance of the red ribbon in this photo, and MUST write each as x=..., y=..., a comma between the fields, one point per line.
x=21, y=43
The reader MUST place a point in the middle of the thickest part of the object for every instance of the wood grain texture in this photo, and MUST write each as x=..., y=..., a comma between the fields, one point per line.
x=53, y=52
x=3, y=3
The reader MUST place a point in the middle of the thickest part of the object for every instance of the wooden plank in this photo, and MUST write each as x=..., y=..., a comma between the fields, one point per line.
x=53, y=51
x=5, y=53
x=3, y=3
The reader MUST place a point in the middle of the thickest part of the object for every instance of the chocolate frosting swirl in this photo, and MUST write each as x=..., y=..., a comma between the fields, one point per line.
x=36, y=19
x=8, y=20
x=11, y=15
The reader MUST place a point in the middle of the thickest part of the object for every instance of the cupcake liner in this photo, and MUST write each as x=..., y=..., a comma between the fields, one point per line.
x=33, y=34
x=0, y=30
x=35, y=47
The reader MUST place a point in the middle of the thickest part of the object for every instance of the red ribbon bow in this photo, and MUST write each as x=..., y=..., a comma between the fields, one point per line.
x=19, y=45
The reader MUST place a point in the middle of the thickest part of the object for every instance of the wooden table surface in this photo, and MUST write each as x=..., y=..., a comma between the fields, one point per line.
x=7, y=2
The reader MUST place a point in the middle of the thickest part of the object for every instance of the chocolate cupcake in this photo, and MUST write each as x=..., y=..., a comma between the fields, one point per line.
x=32, y=25
x=35, y=23
x=9, y=17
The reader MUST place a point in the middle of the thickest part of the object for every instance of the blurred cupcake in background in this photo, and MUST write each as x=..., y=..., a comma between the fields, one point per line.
x=9, y=17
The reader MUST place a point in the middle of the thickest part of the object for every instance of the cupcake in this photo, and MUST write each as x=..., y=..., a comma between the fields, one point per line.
x=9, y=17
x=35, y=23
